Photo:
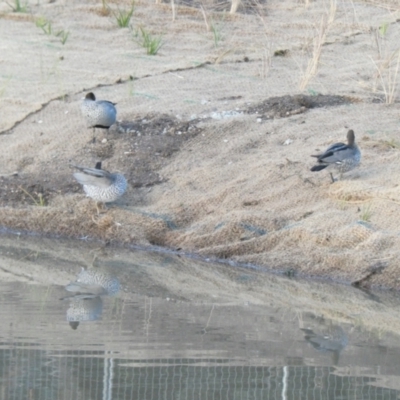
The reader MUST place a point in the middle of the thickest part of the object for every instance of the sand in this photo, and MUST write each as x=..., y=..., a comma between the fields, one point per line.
x=214, y=132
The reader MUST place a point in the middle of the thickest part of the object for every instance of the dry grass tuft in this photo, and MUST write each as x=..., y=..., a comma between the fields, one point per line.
x=387, y=74
x=318, y=41
x=234, y=6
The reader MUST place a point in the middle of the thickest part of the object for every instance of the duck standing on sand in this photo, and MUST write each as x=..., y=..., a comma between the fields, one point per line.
x=343, y=157
x=98, y=113
x=102, y=186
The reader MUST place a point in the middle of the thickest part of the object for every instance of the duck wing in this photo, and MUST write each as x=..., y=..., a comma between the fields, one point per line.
x=335, y=153
x=93, y=177
x=106, y=103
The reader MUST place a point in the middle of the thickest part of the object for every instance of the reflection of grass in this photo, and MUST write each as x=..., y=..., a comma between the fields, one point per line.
x=39, y=201
x=151, y=43
x=18, y=6
x=123, y=17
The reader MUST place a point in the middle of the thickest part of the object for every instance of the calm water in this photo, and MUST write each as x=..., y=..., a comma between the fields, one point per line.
x=132, y=327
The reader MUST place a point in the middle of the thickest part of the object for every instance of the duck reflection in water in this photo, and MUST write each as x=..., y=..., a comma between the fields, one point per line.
x=86, y=303
x=83, y=308
x=327, y=338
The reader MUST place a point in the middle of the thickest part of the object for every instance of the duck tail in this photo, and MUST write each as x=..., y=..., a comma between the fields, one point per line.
x=318, y=167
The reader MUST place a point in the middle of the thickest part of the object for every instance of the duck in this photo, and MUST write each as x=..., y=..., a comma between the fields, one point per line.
x=99, y=184
x=343, y=157
x=98, y=113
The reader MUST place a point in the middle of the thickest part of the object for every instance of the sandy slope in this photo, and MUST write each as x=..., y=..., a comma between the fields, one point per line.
x=207, y=173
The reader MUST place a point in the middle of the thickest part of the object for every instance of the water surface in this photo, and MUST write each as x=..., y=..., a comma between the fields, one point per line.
x=170, y=328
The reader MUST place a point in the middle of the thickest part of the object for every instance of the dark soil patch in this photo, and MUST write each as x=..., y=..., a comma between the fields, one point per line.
x=142, y=147
x=154, y=124
x=29, y=189
x=26, y=190
x=285, y=106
